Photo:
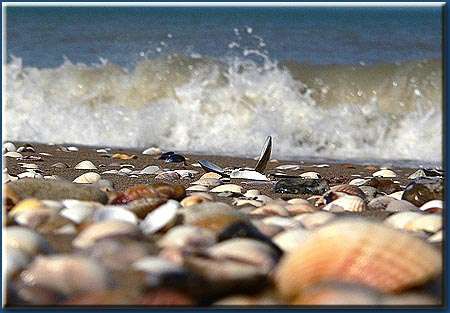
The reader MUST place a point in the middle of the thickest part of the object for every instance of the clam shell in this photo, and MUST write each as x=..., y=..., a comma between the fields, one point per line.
x=358, y=181
x=116, y=213
x=384, y=173
x=85, y=165
x=429, y=222
x=362, y=252
x=67, y=274
x=228, y=188
x=313, y=175
x=351, y=190
x=197, y=188
x=170, y=175
x=346, y=203
x=187, y=236
x=210, y=175
x=160, y=217
x=150, y=170
x=193, y=200
x=106, y=229
x=288, y=240
x=87, y=178
x=399, y=220
x=264, y=156
x=316, y=219
x=26, y=240
x=433, y=204
x=246, y=174
x=208, y=182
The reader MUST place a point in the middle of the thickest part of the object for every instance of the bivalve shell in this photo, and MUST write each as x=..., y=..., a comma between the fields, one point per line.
x=161, y=217
x=316, y=219
x=228, y=188
x=85, y=165
x=184, y=236
x=384, y=173
x=399, y=220
x=87, y=178
x=313, y=175
x=26, y=240
x=150, y=170
x=346, y=203
x=429, y=222
x=351, y=190
x=116, y=213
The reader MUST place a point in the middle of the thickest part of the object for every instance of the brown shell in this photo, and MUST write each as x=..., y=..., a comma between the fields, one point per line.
x=351, y=190
x=361, y=252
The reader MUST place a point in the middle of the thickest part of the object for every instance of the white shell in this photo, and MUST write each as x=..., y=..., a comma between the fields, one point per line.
x=437, y=237
x=228, y=187
x=152, y=151
x=87, y=178
x=313, y=175
x=25, y=240
x=240, y=202
x=316, y=219
x=252, y=193
x=187, y=235
x=85, y=165
x=290, y=239
x=208, y=182
x=397, y=195
x=9, y=147
x=247, y=174
x=399, y=220
x=432, y=204
x=417, y=174
x=150, y=170
x=29, y=166
x=72, y=149
x=29, y=174
x=170, y=175
x=288, y=167
x=160, y=217
x=77, y=211
x=117, y=213
x=347, y=203
x=197, y=188
x=12, y=154
x=358, y=181
x=428, y=222
x=384, y=173
x=186, y=173
x=281, y=221
x=110, y=172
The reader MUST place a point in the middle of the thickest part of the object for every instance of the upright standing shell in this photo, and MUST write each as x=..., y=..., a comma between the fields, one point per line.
x=362, y=252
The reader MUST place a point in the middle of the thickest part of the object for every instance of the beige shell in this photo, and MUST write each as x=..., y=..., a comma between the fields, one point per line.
x=187, y=236
x=208, y=182
x=67, y=274
x=87, y=178
x=272, y=208
x=26, y=240
x=228, y=187
x=105, y=229
x=192, y=200
x=197, y=188
x=316, y=219
x=362, y=252
x=358, y=181
x=85, y=165
x=384, y=173
x=399, y=220
x=211, y=175
x=288, y=240
x=313, y=175
x=30, y=204
x=346, y=203
x=351, y=190
x=163, y=216
x=428, y=222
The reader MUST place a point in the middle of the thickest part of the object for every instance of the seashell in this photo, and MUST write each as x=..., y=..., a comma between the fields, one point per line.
x=16, y=260
x=228, y=188
x=29, y=166
x=380, y=203
x=396, y=195
x=125, y=170
x=298, y=201
x=384, y=173
x=12, y=154
x=208, y=182
x=185, y=236
x=123, y=156
x=34, y=218
x=241, y=202
x=77, y=211
x=170, y=191
x=400, y=206
x=263, y=198
x=85, y=165
x=246, y=174
x=152, y=151
x=422, y=190
x=198, y=188
x=299, y=208
x=211, y=167
x=248, y=251
x=292, y=167
x=311, y=175
x=210, y=175
x=301, y=185
x=358, y=181
x=73, y=149
x=142, y=207
x=111, y=172
x=170, y=175
x=29, y=174
x=117, y=213
x=350, y=190
x=158, y=269
x=346, y=203
x=192, y=200
x=288, y=240
x=314, y=220
x=252, y=193
x=175, y=158
x=399, y=220
x=358, y=251
x=274, y=208
x=160, y=217
x=9, y=147
x=281, y=221
x=417, y=174
x=87, y=178
x=27, y=205
x=25, y=240
x=264, y=156
x=67, y=274
x=186, y=173
x=437, y=237
x=432, y=206
x=106, y=229
x=384, y=185
x=431, y=223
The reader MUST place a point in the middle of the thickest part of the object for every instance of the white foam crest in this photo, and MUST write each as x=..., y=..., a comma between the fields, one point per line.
x=204, y=108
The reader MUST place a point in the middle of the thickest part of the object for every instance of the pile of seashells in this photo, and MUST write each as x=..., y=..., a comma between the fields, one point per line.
x=83, y=243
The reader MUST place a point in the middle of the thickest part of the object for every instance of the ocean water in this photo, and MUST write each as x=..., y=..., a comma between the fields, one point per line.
x=332, y=83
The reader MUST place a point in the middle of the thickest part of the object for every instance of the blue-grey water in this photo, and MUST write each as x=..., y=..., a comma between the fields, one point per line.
x=336, y=83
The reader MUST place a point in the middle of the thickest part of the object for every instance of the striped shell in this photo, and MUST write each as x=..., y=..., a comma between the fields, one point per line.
x=351, y=190
x=362, y=252
x=346, y=203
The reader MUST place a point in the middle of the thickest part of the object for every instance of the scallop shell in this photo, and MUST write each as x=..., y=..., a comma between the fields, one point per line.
x=399, y=220
x=106, y=229
x=351, y=190
x=228, y=188
x=316, y=219
x=429, y=222
x=67, y=274
x=162, y=216
x=362, y=252
x=85, y=165
x=187, y=236
x=26, y=240
x=87, y=178
x=346, y=203
x=384, y=173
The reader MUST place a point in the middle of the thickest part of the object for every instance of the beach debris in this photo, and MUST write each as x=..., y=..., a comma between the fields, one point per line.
x=124, y=156
x=152, y=151
x=264, y=157
x=301, y=186
x=422, y=190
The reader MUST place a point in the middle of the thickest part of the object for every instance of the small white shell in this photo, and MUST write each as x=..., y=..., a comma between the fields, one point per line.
x=358, y=181
x=228, y=187
x=25, y=240
x=186, y=173
x=150, y=170
x=152, y=151
x=428, y=222
x=252, y=193
x=87, y=178
x=313, y=175
x=210, y=175
x=290, y=239
x=74, y=149
x=432, y=204
x=316, y=219
x=246, y=174
x=117, y=213
x=29, y=174
x=399, y=220
x=346, y=203
x=9, y=147
x=85, y=165
x=12, y=154
x=160, y=217
x=397, y=195
x=417, y=174
x=384, y=173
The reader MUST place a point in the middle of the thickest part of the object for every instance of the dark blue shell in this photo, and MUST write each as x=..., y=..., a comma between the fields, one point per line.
x=165, y=155
x=175, y=158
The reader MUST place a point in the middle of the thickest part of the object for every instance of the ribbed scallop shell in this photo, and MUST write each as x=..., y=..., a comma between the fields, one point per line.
x=351, y=190
x=347, y=203
x=362, y=252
